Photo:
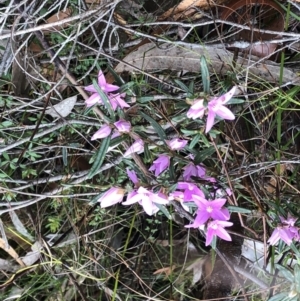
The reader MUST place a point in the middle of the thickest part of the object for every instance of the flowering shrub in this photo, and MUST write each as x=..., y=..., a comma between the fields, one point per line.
x=209, y=200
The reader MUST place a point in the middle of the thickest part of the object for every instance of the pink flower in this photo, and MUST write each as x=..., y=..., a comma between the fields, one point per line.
x=281, y=232
x=216, y=107
x=193, y=170
x=190, y=190
x=132, y=176
x=137, y=146
x=176, y=144
x=116, y=100
x=103, y=132
x=111, y=197
x=123, y=126
x=209, y=209
x=197, y=110
x=290, y=221
x=104, y=86
x=146, y=199
x=160, y=164
x=216, y=228
x=286, y=231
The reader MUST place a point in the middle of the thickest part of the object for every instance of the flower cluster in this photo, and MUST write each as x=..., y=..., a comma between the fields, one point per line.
x=210, y=212
x=215, y=108
x=141, y=195
x=285, y=231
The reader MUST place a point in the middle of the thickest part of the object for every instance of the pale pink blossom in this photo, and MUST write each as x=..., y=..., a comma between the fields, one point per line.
x=104, y=86
x=111, y=197
x=197, y=110
x=116, y=100
x=160, y=164
x=286, y=231
x=137, y=146
x=132, y=176
x=123, y=126
x=216, y=108
x=209, y=209
x=103, y=132
x=146, y=199
x=281, y=232
x=176, y=143
x=189, y=190
x=216, y=228
x=193, y=170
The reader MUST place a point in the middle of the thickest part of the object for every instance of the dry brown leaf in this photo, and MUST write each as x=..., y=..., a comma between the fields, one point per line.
x=168, y=271
x=184, y=8
x=270, y=186
x=187, y=57
x=58, y=17
x=11, y=252
x=63, y=108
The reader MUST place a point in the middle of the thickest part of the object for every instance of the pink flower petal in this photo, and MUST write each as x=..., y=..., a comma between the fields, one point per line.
x=111, y=197
x=90, y=88
x=210, y=121
x=225, y=113
x=103, y=132
x=227, y=96
x=132, y=176
x=93, y=99
x=137, y=146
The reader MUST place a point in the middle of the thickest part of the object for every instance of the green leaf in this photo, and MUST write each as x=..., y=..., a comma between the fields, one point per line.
x=238, y=209
x=145, y=99
x=6, y=156
x=164, y=210
x=195, y=141
x=201, y=156
x=285, y=273
x=205, y=75
x=171, y=170
x=99, y=157
x=65, y=156
x=297, y=277
x=104, y=98
x=234, y=101
x=183, y=86
x=162, y=135
x=147, y=154
x=293, y=247
x=278, y=297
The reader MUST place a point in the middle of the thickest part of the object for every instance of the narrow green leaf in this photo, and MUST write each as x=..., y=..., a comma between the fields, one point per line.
x=195, y=141
x=293, y=247
x=65, y=156
x=182, y=86
x=201, y=156
x=171, y=170
x=104, y=98
x=162, y=135
x=234, y=101
x=205, y=75
x=145, y=99
x=285, y=273
x=297, y=277
x=99, y=157
x=238, y=209
x=278, y=297
x=147, y=154
x=164, y=210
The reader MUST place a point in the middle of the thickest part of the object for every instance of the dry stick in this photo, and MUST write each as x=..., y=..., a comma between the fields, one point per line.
x=230, y=185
